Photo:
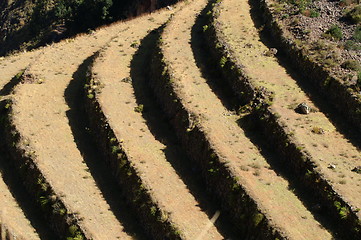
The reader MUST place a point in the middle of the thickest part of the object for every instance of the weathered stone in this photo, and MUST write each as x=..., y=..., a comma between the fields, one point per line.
x=271, y=52
x=303, y=108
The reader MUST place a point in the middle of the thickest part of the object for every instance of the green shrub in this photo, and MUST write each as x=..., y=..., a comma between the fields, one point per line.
x=314, y=13
x=334, y=32
x=351, y=65
x=354, y=14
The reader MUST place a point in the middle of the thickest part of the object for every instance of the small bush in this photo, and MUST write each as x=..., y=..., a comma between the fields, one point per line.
x=351, y=65
x=314, y=13
x=334, y=32
x=354, y=14
x=311, y=13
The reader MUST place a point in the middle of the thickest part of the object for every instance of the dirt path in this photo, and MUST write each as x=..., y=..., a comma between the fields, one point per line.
x=147, y=155
x=283, y=209
x=328, y=149
x=39, y=114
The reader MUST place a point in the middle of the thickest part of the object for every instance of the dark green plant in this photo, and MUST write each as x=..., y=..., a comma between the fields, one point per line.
x=334, y=32
x=314, y=13
x=354, y=14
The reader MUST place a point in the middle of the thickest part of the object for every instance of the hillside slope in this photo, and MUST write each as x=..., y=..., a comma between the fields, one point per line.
x=183, y=123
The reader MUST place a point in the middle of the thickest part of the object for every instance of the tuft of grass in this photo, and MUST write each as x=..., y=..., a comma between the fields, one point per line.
x=205, y=28
x=73, y=229
x=257, y=219
x=115, y=149
x=223, y=61
x=334, y=32
x=139, y=108
x=317, y=130
x=153, y=210
x=354, y=14
x=351, y=65
x=257, y=173
x=342, y=181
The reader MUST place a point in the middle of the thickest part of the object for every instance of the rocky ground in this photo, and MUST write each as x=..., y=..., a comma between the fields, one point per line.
x=310, y=22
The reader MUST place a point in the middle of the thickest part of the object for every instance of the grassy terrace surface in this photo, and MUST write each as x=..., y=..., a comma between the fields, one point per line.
x=150, y=158
x=314, y=133
x=185, y=88
x=40, y=115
